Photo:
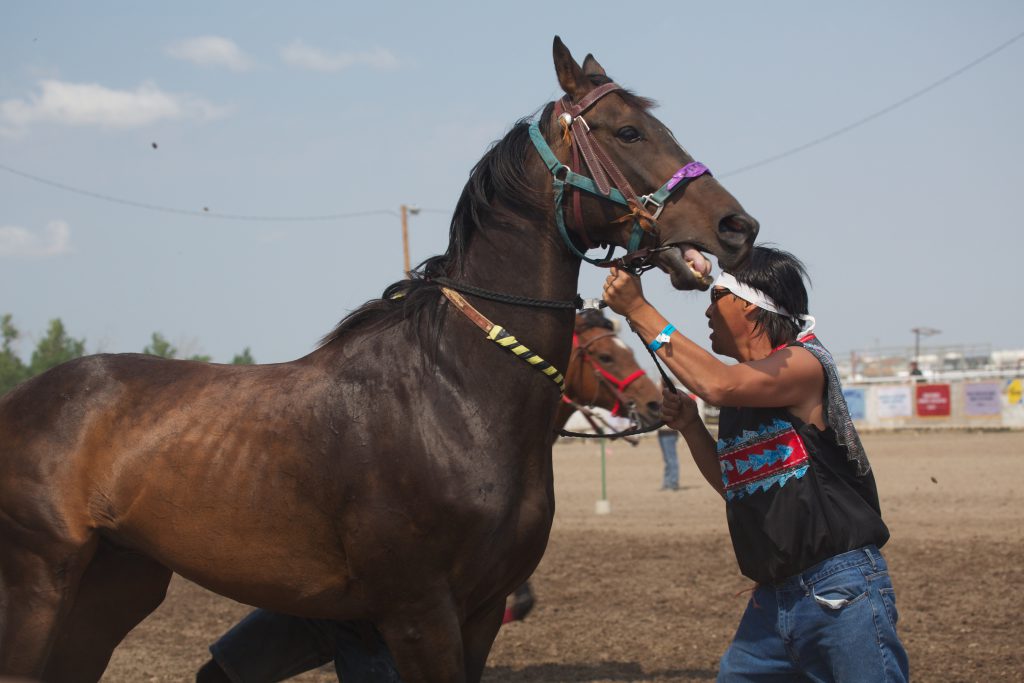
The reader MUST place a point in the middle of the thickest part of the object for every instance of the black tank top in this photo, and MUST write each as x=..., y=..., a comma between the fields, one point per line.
x=793, y=496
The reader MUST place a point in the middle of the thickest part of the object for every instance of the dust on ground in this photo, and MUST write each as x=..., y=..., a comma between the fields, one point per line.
x=651, y=592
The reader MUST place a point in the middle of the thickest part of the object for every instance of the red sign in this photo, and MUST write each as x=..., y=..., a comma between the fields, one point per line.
x=933, y=400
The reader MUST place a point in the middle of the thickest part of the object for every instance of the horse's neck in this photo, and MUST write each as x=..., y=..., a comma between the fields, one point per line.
x=526, y=261
x=577, y=392
x=565, y=411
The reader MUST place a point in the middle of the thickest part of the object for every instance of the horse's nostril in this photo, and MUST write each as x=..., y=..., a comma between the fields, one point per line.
x=654, y=407
x=738, y=229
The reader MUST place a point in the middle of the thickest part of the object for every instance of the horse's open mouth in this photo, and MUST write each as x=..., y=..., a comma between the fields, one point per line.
x=687, y=266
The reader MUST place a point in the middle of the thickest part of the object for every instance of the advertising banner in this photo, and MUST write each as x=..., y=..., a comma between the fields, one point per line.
x=933, y=400
x=855, y=401
x=982, y=398
x=1013, y=391
x=893, y=401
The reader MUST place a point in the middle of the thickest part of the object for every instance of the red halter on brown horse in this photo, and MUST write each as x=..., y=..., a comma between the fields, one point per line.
x=603, y=373
x=401, y=473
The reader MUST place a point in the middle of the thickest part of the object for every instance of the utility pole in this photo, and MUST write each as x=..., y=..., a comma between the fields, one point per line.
x=405, y=235
x=918, y=333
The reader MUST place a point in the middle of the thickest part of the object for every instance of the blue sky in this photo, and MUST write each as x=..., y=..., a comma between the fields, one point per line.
x=315, y=108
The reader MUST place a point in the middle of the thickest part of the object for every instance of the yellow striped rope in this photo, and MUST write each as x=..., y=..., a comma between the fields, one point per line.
x=500, y=336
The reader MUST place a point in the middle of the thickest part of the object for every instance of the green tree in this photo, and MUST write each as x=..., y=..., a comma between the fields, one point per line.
x=159, y=346
x=55, y=348
x=12, y=369
x=244, y=358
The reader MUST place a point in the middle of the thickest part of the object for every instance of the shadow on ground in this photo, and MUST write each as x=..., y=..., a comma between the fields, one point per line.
x=605, y=671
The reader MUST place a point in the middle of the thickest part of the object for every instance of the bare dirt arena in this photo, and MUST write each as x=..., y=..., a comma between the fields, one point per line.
x=651, y=592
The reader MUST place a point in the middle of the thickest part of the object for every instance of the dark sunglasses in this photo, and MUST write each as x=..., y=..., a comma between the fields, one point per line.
x=717, y=293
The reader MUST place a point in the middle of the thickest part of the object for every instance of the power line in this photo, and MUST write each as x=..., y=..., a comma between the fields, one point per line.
x=206, y=213
x=871, y=117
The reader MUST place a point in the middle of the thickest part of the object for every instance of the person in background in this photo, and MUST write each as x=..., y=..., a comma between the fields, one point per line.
x=667, y=439
x=915, y=371
x=266, y=647
x=800, y=494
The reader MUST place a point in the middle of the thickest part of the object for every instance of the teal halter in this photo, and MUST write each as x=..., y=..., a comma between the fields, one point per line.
x=562, y=175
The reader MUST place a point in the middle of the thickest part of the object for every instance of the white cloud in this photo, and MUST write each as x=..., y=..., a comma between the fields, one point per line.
x=91, y=104
x=211, y=51
x=53, y=240
x=304, y=56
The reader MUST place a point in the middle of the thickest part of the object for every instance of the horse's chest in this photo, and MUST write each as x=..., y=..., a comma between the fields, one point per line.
x=509, y=511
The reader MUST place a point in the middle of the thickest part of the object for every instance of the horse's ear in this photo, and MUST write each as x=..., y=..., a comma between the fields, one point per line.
x=616, y=325
x=570, y=75
x=592, y=68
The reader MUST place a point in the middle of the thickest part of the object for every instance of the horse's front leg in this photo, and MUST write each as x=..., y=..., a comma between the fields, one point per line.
x=478, y=634
x=38, y=581
x=425, y=640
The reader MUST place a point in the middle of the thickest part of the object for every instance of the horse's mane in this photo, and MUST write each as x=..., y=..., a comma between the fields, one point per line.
x=496, y=192
x=590, y=318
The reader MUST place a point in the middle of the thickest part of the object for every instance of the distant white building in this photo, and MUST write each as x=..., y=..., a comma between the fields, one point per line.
x=1010, y=359
x=875, y=363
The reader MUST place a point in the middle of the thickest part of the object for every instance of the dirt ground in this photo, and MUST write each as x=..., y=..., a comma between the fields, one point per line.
x=651, y=591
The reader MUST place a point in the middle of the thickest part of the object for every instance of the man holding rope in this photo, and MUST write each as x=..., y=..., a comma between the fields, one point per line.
x=800, y=496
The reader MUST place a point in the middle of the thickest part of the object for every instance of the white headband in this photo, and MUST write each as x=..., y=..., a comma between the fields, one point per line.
x=761, y=300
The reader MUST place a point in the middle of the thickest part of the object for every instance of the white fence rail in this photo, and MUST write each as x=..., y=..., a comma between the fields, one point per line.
x=974, y=399
x=980, y=399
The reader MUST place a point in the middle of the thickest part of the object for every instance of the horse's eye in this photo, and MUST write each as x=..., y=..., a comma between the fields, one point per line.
x=629, y=134
x=605, y=358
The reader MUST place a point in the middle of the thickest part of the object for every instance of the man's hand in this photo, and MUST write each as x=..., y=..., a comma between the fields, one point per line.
x=678, y=410
x=623, y=292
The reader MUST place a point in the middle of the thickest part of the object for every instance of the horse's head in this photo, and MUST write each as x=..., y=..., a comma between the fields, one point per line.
x=608, y=134
x=603, y=372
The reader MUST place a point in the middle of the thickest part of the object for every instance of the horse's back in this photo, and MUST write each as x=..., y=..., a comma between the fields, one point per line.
x=78, y=436
x=46, y=420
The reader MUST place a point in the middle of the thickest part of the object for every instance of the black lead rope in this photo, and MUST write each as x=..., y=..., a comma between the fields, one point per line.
x=657, y=363
x=600, y=434
x=507, y=298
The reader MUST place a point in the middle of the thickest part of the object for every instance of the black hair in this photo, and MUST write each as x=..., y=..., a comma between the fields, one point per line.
x=499, y=175
x=781, y=276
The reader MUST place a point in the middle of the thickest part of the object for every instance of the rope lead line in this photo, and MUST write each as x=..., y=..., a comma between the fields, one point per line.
x=500, y=336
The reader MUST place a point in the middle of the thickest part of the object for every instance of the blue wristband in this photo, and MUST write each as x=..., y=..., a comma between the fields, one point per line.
x=663, y=338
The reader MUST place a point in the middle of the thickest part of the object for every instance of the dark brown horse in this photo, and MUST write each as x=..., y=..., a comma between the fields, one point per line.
x=401, y=473
x=602, y=373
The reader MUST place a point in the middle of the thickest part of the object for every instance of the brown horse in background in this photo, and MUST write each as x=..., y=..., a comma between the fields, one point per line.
x=603, y=373
x=401, y=473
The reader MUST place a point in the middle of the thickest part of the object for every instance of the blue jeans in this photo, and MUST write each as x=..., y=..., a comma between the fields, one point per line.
x=667, y=440
x=267, y=646
x=834, y=622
